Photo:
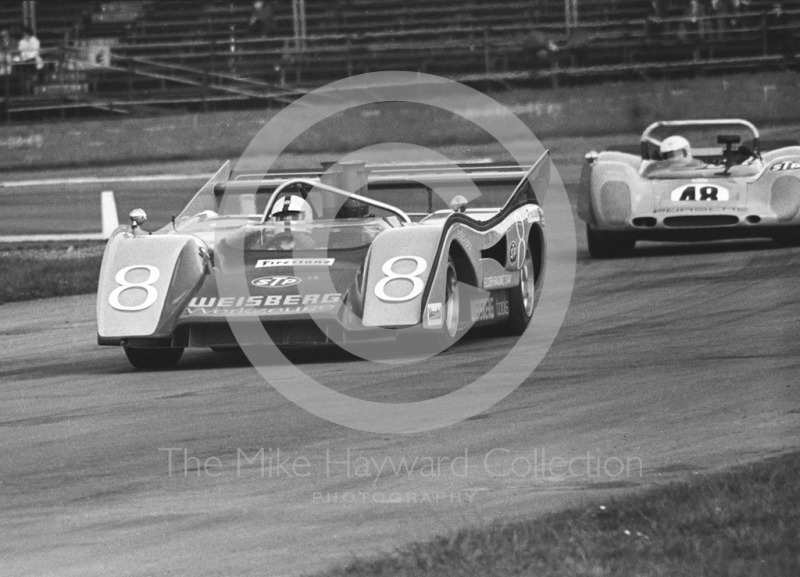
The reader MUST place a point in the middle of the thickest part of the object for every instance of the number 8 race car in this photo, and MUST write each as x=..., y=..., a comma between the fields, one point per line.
x=674, y=191
x=324, y=260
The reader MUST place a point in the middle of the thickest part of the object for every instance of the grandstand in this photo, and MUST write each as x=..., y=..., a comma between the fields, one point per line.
x=121, y=57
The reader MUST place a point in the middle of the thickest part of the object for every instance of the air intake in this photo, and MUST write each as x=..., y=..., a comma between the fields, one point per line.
x=784, y=197
x=701, y=220
x=615, y=202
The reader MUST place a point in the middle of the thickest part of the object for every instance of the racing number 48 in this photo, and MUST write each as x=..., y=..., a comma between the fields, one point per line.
x=706, y=193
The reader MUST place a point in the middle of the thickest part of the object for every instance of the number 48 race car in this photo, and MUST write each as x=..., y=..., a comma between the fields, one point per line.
x=329, y=257
x=674, y=190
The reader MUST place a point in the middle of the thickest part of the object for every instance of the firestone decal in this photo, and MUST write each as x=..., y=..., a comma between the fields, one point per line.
x=269, y=263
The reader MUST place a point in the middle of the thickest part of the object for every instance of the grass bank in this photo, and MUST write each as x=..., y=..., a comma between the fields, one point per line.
x=745, y=522
x=41, y=270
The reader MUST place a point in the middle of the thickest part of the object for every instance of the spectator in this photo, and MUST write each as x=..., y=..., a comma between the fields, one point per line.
x=693, y=28
x=6, y=52
x=735, y=11
x=719, y=9
x=262, y=21
x=780, y=33
x=29, y=61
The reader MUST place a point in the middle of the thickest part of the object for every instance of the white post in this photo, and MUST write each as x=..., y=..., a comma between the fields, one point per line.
x=108, y=213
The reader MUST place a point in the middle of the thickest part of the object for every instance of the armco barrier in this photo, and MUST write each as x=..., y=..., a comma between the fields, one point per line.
x=599, y=109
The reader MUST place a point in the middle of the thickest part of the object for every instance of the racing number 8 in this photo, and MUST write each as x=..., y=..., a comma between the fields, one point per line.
x=147, y=285
x=413, y=276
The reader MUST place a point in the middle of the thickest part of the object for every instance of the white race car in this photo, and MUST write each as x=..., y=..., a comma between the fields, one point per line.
x=725, y=184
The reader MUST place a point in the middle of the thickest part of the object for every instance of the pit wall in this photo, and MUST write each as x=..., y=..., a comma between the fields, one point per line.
x=767, y=98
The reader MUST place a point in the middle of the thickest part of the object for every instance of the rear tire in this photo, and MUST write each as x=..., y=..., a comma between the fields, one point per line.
x=153, y=359
x=609, y=244
x=522, y=298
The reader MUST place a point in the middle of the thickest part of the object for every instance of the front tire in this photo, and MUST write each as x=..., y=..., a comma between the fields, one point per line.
x=426, y=341
x=153, y=359
x=522, y=298
x=609, y=244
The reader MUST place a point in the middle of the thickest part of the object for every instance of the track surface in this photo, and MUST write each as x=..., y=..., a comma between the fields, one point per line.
x=683, y=357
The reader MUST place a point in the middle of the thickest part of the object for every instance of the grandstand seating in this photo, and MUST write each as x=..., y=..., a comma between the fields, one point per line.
x=188, y=51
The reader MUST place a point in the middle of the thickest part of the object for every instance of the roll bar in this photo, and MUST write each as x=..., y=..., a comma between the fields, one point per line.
x=646, y=138
x=332, y=189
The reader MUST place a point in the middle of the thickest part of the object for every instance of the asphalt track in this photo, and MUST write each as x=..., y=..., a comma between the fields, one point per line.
x=683, y=358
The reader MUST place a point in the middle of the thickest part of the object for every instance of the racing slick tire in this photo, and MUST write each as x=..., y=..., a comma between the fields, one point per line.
x=416, y=342
x=790, y=237
x=153, y=359
x=609, y=244
x=522, y=298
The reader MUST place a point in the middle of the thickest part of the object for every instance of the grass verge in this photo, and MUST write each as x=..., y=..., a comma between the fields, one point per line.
x=41, y=270
x=744, y=522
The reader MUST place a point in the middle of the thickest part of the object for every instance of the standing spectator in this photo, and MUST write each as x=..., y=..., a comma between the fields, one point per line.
x=719, y=9
x=30, y=63
x=780, y=33
x=6, y=52
x=693, y=27
x=262, y=21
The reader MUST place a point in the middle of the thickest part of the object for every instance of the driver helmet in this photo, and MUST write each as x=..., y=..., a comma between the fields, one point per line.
x=291, y=207
x=675, y=147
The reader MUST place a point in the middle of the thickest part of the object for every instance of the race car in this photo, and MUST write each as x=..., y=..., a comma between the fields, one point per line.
x=723, y=184
x=320, y=257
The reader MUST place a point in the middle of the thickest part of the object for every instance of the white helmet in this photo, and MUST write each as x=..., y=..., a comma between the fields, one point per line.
x=291, y=207
x=675, y=147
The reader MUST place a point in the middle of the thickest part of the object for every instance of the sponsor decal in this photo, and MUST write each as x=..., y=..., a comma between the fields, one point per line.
x=489, y=308
x=433, y=316
x=258, y=312
x=147, y=285
x=462, y=236
x=500, y=280
x=785, y=166
x=263, y=301
x=275, y=281
x=691, y=192
x=512, y=252
x=270, y=263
